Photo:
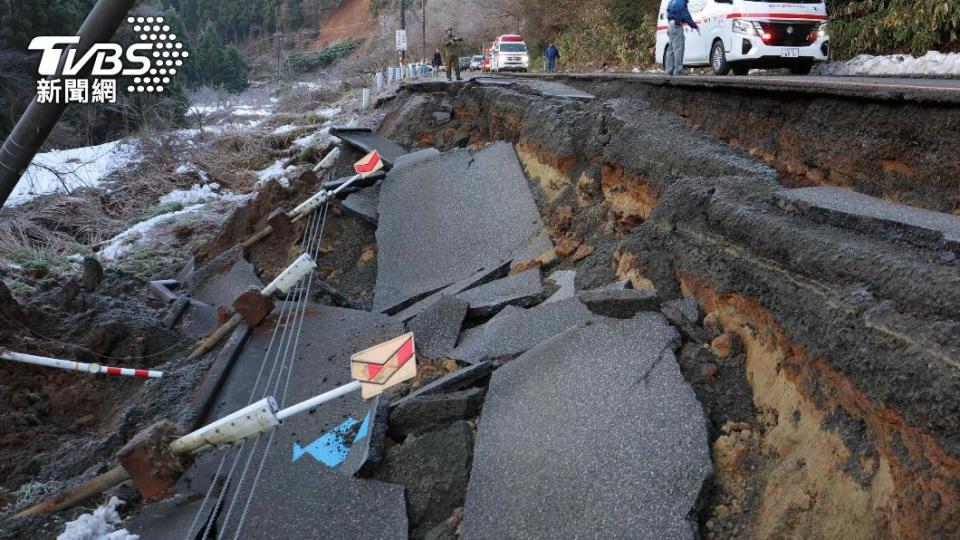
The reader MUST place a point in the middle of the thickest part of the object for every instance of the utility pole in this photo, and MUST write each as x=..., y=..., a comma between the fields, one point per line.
x=34, y=126
x=423, y=45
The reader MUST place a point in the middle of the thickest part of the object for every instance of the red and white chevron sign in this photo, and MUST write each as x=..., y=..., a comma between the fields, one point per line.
x=384, y=365
x=370, y=164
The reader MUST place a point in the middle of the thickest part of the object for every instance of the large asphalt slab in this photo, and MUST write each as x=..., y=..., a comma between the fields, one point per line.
x=444, y=219
x=302, y=498
x=843, y=204
x=592, y=434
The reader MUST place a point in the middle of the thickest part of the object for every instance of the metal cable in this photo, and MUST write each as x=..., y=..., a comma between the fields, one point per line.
x=313, y=248
x=285, y=310
x=312, y=234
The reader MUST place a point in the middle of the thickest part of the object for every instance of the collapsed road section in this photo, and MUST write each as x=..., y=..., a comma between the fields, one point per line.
x=624, y=327
x=837, y=414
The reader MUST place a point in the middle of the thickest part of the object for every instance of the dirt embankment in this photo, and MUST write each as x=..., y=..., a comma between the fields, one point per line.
x=850, y=343
x=900, y=151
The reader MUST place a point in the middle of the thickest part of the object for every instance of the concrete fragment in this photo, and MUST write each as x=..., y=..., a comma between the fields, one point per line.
x=620, y=304
x=364, y=203
x=565, y=279
x=437, y=328
x=479, y=278
x=523, y=289
x=463, y=221
x=434, y=468
x=429, y=413
x=441, y=117
x=630, y=459
x=458, y=380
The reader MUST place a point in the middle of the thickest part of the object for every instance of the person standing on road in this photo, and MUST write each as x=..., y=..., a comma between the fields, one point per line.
x=452, y=46
x=437, y=62
x=552, y=54
x=678, y=15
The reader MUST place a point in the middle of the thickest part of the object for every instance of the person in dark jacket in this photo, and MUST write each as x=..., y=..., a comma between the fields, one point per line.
x=437, y=62
x=678, y=15
x=552, y=54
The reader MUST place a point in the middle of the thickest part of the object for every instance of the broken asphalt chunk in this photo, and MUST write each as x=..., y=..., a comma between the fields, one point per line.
x=510, y=334
x=429, y=413
x=437, y=328
x=442, y=219
x=620, y=304
x=523, y=289
x=565, y=280
x=434, y=468
x=365, y=140
x=485, y=275
x=452, y=382
x=632, y=454
x=364, y=203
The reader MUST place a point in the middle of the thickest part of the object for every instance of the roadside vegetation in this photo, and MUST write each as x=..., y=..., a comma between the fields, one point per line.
x=619, y=34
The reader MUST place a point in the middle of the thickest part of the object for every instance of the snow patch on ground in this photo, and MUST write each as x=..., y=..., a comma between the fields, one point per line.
x=66, y=170
x=312, y=138
x=284, y=129
x=329, y=112
x=101, y=524
x=125, y=242
x=931, y=64
x=195, y=195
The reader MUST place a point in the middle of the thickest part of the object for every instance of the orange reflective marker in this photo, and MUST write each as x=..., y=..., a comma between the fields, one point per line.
x=384, y=365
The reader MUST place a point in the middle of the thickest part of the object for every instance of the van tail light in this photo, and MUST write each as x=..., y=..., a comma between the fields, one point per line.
x=766, y=36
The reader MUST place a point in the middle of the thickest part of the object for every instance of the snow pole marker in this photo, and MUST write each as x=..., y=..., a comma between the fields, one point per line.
x=73, y=365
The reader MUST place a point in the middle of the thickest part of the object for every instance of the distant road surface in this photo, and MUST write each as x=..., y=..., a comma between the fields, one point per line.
x=937, y=90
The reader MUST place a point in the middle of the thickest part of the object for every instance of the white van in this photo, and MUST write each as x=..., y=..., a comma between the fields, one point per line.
x=739, y=35
x=509, y=53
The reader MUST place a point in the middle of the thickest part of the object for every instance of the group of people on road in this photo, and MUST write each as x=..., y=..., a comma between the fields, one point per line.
x=678, y=16
x=451, y=48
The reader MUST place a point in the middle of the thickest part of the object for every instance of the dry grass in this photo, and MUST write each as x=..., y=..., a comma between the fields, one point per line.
x=233, y=158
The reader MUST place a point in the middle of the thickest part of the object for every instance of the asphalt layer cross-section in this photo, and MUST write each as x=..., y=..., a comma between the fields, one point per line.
x=592, y=434
x=444, y=219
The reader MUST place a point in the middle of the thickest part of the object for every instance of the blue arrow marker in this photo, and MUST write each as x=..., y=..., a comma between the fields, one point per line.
x=332, y=448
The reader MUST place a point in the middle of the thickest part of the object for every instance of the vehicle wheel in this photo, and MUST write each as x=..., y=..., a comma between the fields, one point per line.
x=740, y=69
x=718, y=59
x=667, y=61
x=802, y=69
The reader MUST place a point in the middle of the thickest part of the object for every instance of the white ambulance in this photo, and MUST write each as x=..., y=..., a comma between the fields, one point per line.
x=509, y=53
x=738, y=35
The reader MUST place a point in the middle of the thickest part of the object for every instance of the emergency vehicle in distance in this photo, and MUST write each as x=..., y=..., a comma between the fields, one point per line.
x=509, y=53
x=739, y=35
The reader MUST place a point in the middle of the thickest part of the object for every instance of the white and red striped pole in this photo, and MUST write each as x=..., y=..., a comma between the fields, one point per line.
x=72, y=365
